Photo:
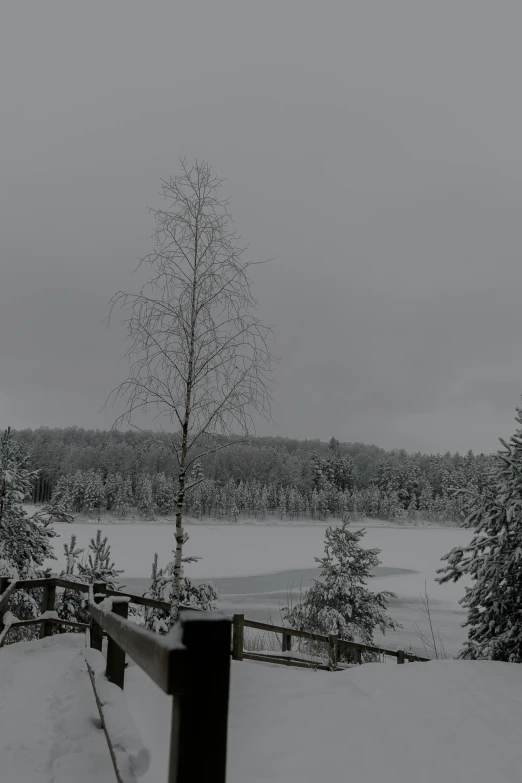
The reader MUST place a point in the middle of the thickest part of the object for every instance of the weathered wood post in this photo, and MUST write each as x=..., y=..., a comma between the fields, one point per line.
x=400, y=656
x=115, y=671
x=287, y=642
x=198, y=748
x=49, y=596
x=238, y=637
x=333, y=651
x=96, y=631
x=357, y=656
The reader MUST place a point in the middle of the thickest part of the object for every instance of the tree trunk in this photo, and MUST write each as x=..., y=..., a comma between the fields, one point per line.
x=177, y=573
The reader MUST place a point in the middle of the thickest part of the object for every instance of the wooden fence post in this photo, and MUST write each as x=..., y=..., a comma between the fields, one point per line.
x=400, y=656
x=287, y=642
x=49, y=595
x=96, y=631
x=115, y=671
x=238, y=637
x=333, y=651
x=198, y=748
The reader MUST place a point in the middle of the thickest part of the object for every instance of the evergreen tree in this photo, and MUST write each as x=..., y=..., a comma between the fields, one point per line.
x=26, y=540
x=163, y=494
x=339, y=602
x=144, y=498
x=412, y=511
x=98, y=567
x=157, y=620
x=426, y=501
x=112, y=483
x=94, y=492
x=70, y=604
x=78, y=484
x=124, y=499
x=263, y=502
x=322, y=504
x=203, y=596
x=196, y=474
x=493, y=560
x=61, y=499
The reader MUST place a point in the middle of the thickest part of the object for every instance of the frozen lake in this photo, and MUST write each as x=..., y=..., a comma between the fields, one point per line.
x=262, y=597
x=256, y=567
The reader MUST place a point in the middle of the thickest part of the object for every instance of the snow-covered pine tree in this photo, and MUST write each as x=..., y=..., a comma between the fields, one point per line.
x=263, y=502
x=144, y=498
x=157, y=620
x=98, y=566
x=111, y=490
x=60, y=502
x=25, y=541
x=78, y=483
x=203, y=596
x=412, y=512
x=339, y=601
x=94, y=492
x=70, y=604
x=426, y=502
x=493, y=559
x=390, y=507
x=61, y=499
x=196, y=474
x=281, y=505
x=163, y=494
x=124, y=500
x=314, y=503
x=323, y=508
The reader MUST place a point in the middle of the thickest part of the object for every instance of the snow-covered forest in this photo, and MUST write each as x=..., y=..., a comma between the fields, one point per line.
x=93, y=472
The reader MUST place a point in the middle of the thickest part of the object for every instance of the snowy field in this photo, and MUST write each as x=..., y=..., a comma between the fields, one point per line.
x=234, y=554
x=421, y=722
x=418, y=723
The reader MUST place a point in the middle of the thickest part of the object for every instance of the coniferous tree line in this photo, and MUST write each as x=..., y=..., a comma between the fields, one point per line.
x=116, y=472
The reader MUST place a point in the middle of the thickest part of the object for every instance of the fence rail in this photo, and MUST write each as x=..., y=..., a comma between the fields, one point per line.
x=335, y=644
x=191, y=664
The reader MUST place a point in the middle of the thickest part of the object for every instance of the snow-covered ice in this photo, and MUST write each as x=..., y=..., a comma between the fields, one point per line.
x=244, y=550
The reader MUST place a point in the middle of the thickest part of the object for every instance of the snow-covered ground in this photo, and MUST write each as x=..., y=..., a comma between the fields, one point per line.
x=244, y=550
x=429, y=722
x=48, y=715
x=418, y=723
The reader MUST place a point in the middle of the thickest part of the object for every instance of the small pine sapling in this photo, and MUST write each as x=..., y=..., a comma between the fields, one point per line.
x=98, y=567
x=70, y=604
x=339, y=601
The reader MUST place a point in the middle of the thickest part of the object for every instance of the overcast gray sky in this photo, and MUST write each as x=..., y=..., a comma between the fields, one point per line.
x=372, y=148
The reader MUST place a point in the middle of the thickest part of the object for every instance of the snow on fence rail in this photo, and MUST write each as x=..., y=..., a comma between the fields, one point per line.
x=191, y=664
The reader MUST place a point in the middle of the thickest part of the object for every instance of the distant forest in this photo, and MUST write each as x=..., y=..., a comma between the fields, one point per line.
x=88, y=470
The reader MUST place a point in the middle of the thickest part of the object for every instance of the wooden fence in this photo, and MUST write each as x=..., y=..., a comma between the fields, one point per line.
x=191, y=664
x=333, y=642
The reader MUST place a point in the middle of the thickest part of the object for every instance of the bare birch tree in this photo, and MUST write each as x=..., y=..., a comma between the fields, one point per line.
x=198, y=354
